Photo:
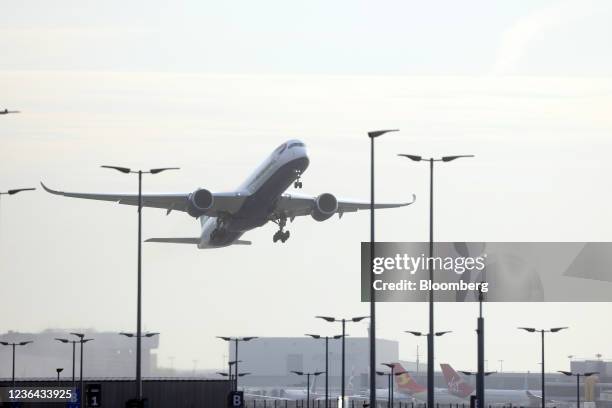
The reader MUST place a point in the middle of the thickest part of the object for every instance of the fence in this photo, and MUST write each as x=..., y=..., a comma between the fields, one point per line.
x=354, y=403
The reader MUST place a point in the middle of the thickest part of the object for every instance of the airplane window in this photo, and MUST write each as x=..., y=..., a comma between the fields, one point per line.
x=296, y=144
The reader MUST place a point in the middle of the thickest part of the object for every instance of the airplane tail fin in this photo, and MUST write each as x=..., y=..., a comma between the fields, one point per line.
x=456, y=384
x=404, y=382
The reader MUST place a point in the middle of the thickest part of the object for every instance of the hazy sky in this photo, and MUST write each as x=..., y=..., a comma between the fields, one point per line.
x=215, y=87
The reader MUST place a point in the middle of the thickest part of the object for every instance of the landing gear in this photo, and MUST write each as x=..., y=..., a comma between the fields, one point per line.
x=297, y=183
x=281, y=235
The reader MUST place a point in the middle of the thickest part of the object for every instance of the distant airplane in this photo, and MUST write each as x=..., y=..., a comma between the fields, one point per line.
x=225, y=217
x=406, y=385
x=6, y=112
x=459, y=387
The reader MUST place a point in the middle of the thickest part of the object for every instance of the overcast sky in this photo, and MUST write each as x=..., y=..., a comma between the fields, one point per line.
x=215, y=87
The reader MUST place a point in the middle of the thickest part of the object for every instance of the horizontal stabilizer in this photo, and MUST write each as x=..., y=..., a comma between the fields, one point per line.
x=193, y=241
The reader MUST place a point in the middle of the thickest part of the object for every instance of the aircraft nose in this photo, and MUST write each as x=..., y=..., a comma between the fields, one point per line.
x=300, y=153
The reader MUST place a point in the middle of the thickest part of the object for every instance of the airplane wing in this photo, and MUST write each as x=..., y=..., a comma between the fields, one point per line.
x=223, y=203
x=291, y=205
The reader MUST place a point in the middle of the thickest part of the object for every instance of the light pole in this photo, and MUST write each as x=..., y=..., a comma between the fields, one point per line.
x=578, y=375
x=229, y=372
x=58, y=370
x=13, y=345
x=479, y=383
x=229, y=375
x=430, y=339
x=138, y=337
x=475, y=373
x=429, y=365
x=127, y=170
x=543, y=331
x=343, y=321
x=73, y=342
x=300, y=373
x=372, y=135
x=389, y=375
x=391, y=392
x=336, y=337
x=236, y=340
x=82, y=340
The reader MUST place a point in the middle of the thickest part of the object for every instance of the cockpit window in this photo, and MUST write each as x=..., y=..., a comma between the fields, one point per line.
x=280, y=148
x=295, y=144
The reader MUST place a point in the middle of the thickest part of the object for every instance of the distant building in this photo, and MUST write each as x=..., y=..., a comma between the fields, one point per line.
x=271, y=360
x=603, y=367
x=108, y=355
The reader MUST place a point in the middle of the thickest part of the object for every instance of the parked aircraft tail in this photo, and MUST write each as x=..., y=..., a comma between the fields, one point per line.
x=456, y=384
x=405, y=383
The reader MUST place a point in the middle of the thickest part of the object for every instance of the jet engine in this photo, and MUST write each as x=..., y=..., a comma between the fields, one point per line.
x=325, y=206
x=200, y=201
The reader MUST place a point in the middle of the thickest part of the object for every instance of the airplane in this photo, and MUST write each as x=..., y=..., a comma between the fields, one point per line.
x=224, y=217
x=460, y=388
x=406, y=386
x=6, y=112
x=297, y=394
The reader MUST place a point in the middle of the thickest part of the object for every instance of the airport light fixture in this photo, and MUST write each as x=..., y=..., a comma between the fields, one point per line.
x=343, y=321
x=14, y=345
x=58, y=370
x=419, y=334
x=236, y=340
x=476, y=372
x=543, y=331
x=578, y=375
x=229, y=372
x=127, y=170
x=6, y=111
x=307, y=375
x=391, y=392
x=372, y=334
x=230, y=375
x=82, y=340
x=135, y=335
x=326, y=338
x=390, y=375
x=73, y=342
x=15, y=191
x=430, y=339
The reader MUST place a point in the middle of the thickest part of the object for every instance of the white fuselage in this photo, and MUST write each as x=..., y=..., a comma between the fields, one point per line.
x=262, y=189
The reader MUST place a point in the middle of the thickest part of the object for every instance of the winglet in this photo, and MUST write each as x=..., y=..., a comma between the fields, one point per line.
x=49, y=190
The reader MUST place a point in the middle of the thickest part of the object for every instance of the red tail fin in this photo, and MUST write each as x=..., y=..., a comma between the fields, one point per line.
x=456, y=385
x=404, y=382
